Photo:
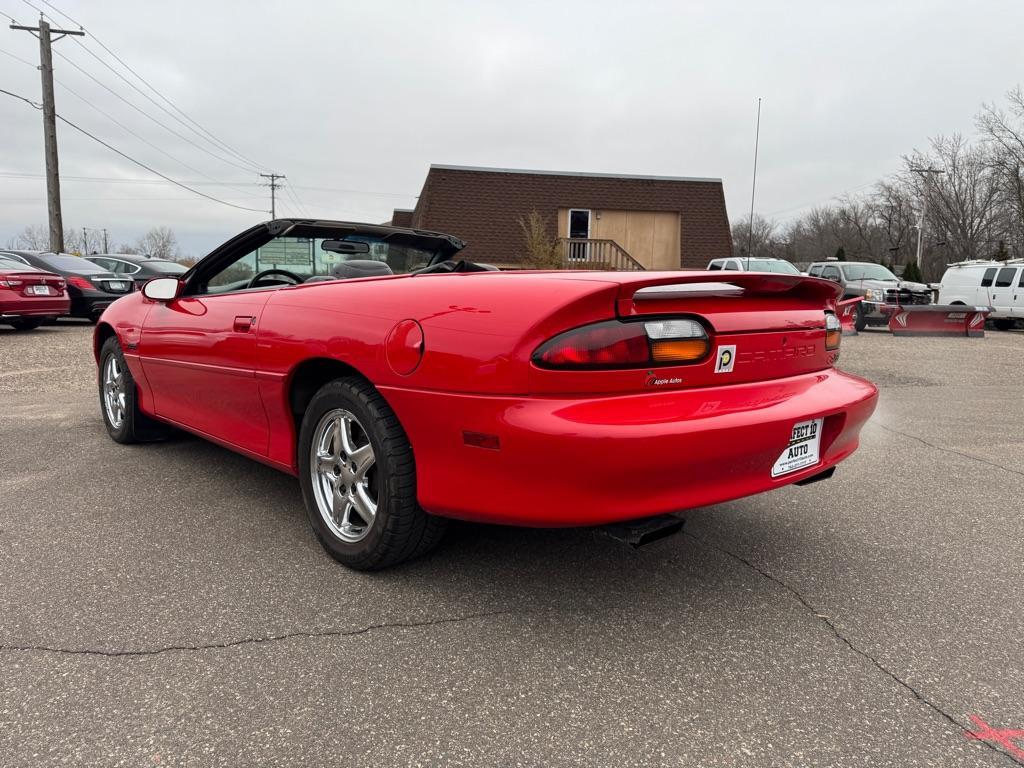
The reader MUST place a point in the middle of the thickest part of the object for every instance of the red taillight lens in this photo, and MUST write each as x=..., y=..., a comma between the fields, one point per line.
x=614, y=344
x=611, y=344
x=81, y=283
x=8, y=283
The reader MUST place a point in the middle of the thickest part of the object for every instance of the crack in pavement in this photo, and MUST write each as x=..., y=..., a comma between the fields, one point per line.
x=955, y=452
x=965, y=729
x=259, y=640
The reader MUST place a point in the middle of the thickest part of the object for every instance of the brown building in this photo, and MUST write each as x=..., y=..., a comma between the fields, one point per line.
x=649, y=222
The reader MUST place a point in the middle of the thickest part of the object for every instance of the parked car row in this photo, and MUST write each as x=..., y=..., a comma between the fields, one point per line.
x=36, y=286
x=998, y=285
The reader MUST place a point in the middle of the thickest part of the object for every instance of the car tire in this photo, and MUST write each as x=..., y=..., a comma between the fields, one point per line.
x=125, y=423
x=26, y=323
x=860, y=318
x=371, y=466
x=1004, y=324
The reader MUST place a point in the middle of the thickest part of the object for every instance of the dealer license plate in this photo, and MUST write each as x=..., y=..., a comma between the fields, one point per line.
x=803, y=449
x=39, y=290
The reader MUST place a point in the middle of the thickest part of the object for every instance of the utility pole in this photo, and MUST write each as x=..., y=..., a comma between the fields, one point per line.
x=273, y=189
x=106, y=243
x=926, y=174
x=43, y=32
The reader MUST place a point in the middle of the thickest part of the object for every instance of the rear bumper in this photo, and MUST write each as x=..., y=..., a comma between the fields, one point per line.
x=595, y=460
x=90, y=306
x=32, y=307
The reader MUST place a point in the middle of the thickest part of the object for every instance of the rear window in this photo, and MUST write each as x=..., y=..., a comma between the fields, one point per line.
x=1005, y=278
x=165, y=267
x=715, y=265
x=815, y=270
x=989, y=275
x=71, y=264
x=766, y=265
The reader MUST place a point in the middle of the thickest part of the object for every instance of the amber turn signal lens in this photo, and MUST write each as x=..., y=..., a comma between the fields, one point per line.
x=681, y=351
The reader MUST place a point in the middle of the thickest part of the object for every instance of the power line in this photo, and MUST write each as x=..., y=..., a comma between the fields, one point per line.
x=142, y=112
x=121, y=180
x=208, y=135
x=132, y=159
x=118, y=123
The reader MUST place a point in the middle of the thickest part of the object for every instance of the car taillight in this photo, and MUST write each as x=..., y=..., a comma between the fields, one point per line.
x=833, y=331
x=613, y=344
x=9, y=283
x=81, y=283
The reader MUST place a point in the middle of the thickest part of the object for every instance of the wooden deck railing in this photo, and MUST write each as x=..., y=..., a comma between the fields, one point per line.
x=591, y=253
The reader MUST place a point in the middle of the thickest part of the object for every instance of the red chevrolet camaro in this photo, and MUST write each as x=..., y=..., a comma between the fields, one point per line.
x=404, y=386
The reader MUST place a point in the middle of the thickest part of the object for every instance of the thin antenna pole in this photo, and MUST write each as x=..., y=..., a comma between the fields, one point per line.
x=753, y=185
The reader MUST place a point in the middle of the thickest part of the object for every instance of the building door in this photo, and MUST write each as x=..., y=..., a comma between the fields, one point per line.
x=579, y=229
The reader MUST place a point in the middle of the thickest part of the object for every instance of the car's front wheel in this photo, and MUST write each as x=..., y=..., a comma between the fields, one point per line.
x=358, y=479
x=119, y=404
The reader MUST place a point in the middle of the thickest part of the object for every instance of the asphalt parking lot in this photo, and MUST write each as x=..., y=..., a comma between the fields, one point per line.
x=167, y=605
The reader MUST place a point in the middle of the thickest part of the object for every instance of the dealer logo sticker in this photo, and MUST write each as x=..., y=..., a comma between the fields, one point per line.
x=725, y=358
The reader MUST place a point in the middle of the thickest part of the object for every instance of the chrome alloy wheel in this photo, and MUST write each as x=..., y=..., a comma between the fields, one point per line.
x=344, y=475
x=114, y=392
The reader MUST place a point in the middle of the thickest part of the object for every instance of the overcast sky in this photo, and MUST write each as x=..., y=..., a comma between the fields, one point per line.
x=353, y=101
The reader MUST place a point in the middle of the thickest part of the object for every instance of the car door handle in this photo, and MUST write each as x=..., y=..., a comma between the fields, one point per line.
x=244, y=323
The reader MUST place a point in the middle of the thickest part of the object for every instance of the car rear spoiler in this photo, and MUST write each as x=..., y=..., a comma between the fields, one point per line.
x=636, y=290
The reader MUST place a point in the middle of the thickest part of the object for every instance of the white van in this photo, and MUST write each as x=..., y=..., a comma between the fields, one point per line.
x=995, y=284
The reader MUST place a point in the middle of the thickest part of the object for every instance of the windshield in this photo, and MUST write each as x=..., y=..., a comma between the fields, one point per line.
x=868, y=272
x=165, y=267
x=70, y=263
x=305, y=257
x=767, y=265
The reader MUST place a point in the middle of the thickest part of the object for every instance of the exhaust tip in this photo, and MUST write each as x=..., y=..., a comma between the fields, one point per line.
x=644, y=531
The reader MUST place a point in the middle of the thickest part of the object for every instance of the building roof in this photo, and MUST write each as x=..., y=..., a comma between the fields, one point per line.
x=484, y=207
x=578, y=174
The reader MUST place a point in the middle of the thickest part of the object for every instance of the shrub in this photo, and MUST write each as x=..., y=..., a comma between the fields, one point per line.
x=542, y=250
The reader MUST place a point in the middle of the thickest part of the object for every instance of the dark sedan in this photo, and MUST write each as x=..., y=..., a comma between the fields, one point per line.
x=91, y=288
x=141, y=269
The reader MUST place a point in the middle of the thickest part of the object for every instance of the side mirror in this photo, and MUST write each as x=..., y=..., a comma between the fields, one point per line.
x=162, y=288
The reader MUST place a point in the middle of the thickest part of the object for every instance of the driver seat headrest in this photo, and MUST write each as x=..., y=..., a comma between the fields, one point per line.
x=361, y=268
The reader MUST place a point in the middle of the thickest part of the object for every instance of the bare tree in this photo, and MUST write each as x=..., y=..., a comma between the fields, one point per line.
x=32, y=238
x=763, y=243
x=1003, y=134
x=962, y=203
x=159, y=242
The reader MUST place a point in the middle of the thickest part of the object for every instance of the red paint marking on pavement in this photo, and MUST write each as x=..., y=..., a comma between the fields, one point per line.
x=1004, y=737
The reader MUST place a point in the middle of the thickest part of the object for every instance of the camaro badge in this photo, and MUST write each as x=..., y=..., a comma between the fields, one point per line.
x=725, y=358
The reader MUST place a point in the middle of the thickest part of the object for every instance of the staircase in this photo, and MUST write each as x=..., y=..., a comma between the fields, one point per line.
x=591, y=253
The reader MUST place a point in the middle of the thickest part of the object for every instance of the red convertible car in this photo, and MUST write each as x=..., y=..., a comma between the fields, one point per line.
x=404, y=386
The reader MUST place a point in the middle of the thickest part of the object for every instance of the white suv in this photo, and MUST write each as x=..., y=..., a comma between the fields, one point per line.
x=995, y=284
x=739, y=264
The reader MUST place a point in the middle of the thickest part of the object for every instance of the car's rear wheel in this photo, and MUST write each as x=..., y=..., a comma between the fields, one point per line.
x=1004, y=324
x=119, y=404
x=26, y=323
x=358, y=479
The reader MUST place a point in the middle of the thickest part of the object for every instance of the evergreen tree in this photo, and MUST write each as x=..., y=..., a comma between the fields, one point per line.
x=840, y=254
x=912, y=273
